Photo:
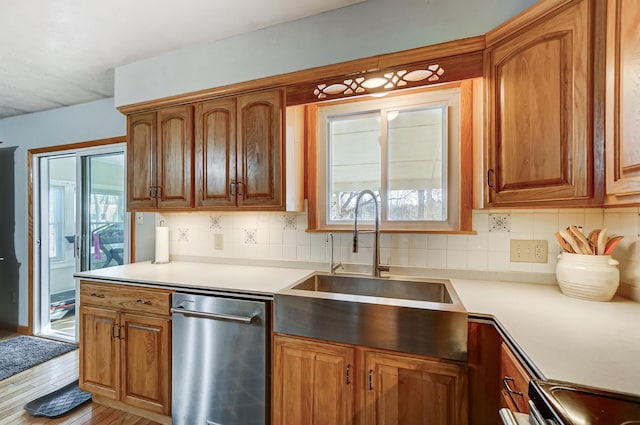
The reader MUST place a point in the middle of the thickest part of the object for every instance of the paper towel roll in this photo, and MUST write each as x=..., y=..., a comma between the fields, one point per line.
x=162, y=245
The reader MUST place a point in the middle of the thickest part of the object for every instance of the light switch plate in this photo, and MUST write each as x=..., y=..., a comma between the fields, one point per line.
x=218, y=241
x=529, y=251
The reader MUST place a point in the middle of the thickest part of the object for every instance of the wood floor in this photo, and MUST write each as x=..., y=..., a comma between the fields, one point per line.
x=20, y=389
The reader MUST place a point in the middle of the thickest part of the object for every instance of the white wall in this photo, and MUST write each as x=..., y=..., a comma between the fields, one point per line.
x=79, y=123
x=362, y=30
x=282, y=236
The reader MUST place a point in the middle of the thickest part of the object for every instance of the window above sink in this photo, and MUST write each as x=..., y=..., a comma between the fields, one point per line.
x=406, y=148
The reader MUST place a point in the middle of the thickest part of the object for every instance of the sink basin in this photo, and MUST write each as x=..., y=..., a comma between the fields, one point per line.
x=368, y=286
x=411, y=315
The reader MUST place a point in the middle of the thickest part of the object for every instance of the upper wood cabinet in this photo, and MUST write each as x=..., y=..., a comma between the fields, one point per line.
x=622, y=102
x=260, y=162
x=141, y=148
x=159, y=159
x=239, y=152
x=215, y=147
x=539, y=88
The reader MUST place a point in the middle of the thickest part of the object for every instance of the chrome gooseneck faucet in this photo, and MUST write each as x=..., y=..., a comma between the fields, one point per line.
x=334, y=266
x=376, y=268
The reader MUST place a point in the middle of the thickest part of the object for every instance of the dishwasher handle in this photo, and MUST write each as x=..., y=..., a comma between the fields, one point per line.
x=213, y=316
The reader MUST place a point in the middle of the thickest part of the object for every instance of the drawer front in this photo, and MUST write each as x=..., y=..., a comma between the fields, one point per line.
x=515, y=381
x=125, y=298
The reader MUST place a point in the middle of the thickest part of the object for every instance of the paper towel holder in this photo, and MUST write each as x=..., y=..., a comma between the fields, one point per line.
x=165, y=246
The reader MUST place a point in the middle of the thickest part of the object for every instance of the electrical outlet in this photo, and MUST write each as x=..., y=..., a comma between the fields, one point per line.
x=218, y=241
x=139, y=218
x=529, y=251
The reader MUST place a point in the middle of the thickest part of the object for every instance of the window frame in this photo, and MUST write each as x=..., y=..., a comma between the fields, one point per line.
x=458, y=97
x=57, y=224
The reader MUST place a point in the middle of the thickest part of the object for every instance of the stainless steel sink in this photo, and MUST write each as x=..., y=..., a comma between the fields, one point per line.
x=412, y=315
x=432, y=291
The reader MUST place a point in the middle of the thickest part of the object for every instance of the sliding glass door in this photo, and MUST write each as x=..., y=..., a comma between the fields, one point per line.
x=80, y=223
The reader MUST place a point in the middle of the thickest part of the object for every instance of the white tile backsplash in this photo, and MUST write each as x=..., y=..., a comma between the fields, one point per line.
x=484, y=251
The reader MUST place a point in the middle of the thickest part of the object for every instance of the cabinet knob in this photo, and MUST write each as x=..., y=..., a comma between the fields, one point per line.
x=147, y=302
x=94, y=294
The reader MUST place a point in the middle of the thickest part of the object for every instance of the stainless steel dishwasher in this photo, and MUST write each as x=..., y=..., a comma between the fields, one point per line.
x=219, y=361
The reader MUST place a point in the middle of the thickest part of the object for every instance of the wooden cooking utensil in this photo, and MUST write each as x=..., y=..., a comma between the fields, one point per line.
x=584, y=243
x=611, y=244
x=564, y=244
x=566, y=235
x=602, y=241
x=593, y=240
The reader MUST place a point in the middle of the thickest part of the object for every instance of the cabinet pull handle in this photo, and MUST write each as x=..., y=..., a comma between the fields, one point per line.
x=147, y=302
x=490, y=172
x=239, y=188
x=232, y=188
x=370, y=379
x=152, y=192
x=158, y=192
x=505, y=382
x=120, y=336
x=348, y=374
x=113, y=331
x=94, y=294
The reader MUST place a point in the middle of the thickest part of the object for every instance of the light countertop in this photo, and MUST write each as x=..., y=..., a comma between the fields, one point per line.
x=208, y=276
x=586, y=342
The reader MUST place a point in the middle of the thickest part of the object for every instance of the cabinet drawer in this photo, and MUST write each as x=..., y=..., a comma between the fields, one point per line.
x=515, y=380
x=126, y=298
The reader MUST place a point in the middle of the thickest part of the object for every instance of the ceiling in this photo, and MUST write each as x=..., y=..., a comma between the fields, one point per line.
x=63, y=52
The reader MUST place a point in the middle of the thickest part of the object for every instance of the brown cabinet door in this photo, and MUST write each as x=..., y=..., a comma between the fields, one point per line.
x=515, y=381
x=260, y=159
x=622, y=94
x=403, y=390
x=539, y=119
x=99, y=352
x=312, y=383
x=174, y=157
x=484, y=374
x=141, y=147
x=146, y=362
x=215, y=159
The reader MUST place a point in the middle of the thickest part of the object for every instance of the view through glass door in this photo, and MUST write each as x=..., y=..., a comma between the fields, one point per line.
x=82, y=226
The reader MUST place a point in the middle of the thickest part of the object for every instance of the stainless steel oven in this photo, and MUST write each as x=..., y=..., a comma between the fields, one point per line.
x=563, y=403
x=513, y=418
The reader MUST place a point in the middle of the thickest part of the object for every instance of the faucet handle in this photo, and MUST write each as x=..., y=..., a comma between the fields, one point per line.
x=355, y=241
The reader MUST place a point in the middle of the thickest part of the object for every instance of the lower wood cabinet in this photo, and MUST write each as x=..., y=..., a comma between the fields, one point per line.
x=318, y=382
x=313, y=382
x=515, y=382
x=409, y=390
x=497, y=378
x=125, y=346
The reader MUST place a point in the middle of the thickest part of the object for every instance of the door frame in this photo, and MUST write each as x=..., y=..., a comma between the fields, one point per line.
x=31, y=154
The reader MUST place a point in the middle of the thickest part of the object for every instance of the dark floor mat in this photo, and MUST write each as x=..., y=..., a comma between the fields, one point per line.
x=59, y=402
